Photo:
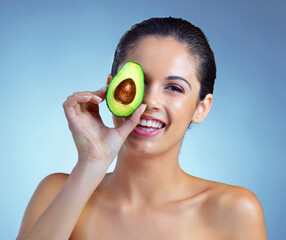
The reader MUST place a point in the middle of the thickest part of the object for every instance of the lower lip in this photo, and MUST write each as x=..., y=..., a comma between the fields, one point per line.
x=147, y=133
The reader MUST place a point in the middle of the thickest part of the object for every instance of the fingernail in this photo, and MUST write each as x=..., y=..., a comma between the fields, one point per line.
x=86, y=96
x=97, y=97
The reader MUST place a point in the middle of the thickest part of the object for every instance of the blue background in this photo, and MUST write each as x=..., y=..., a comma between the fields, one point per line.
x=50, y=49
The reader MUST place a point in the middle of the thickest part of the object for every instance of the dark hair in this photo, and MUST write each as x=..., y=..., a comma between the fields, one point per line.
x=184, y=32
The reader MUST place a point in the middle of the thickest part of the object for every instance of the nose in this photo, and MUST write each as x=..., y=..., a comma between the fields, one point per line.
x=152, y=97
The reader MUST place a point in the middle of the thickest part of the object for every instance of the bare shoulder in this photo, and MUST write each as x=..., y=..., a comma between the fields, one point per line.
x=235, y=211
x=44, y=194
x=49, y=187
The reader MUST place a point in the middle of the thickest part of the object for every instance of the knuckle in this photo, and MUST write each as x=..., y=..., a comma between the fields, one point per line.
x=69, y=97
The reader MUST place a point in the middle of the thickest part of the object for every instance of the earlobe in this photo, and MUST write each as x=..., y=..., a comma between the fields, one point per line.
x=198, y=113
x=203, y=109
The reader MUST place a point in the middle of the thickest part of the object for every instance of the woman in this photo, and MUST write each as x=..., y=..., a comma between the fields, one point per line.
x=148, y=196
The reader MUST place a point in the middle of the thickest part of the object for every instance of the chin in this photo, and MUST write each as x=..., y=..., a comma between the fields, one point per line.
x=140, y=147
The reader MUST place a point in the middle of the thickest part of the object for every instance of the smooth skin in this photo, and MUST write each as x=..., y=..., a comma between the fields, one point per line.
x=148, y=195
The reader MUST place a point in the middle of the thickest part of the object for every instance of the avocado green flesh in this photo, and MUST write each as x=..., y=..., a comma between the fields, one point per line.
x=131, y=71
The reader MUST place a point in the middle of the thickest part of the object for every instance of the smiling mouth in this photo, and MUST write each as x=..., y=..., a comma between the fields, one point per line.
x=150, y=124
x=150, y=129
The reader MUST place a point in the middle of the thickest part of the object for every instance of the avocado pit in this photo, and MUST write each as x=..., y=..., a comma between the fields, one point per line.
x=125, y=91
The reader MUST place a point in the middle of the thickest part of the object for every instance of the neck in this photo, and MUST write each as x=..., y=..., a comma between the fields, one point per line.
x=140, y=178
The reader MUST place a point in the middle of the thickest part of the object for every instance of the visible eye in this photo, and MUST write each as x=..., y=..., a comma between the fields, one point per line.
x=175, y=88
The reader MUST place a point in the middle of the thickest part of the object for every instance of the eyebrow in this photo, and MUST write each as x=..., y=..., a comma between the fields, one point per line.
x=179, y=78
x=172, y=77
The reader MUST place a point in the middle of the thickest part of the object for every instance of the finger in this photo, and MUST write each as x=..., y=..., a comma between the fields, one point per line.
x=125, y=129
x=98, y=93
x=92, y=107
x=72, y=104
x=101, y=92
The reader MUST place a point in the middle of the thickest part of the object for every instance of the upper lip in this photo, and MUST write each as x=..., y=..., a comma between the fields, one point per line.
x=147, y=117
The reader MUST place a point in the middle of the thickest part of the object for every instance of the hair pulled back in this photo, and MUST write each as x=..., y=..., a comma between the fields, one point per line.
x=184, y=32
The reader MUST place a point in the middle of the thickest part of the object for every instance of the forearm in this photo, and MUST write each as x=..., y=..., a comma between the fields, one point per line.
x=59, y=219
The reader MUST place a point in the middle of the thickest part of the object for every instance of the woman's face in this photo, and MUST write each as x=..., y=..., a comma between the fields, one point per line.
x=171, y=93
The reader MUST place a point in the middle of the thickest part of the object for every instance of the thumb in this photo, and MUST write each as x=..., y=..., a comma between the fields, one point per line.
x=125, y=129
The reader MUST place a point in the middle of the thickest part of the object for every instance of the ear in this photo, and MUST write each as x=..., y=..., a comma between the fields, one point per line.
x=203, y=109
x=109, y=78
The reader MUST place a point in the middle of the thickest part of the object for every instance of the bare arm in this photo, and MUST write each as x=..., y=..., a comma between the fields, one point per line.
x=97, y=145
x=59, y=218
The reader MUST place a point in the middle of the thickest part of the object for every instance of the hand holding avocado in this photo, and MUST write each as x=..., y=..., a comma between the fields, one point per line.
x=95, y=142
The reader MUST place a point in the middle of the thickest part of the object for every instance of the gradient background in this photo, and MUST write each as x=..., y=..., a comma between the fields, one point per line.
x=50, y=49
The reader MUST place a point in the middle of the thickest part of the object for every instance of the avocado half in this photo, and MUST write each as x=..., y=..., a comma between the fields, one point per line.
x=126, y=90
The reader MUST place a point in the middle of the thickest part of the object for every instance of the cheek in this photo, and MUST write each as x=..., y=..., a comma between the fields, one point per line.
x=183, y=110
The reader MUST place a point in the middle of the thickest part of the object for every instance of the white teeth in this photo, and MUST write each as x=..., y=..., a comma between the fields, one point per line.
x=143, y=122
x=150, y=123
x=147, y=129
